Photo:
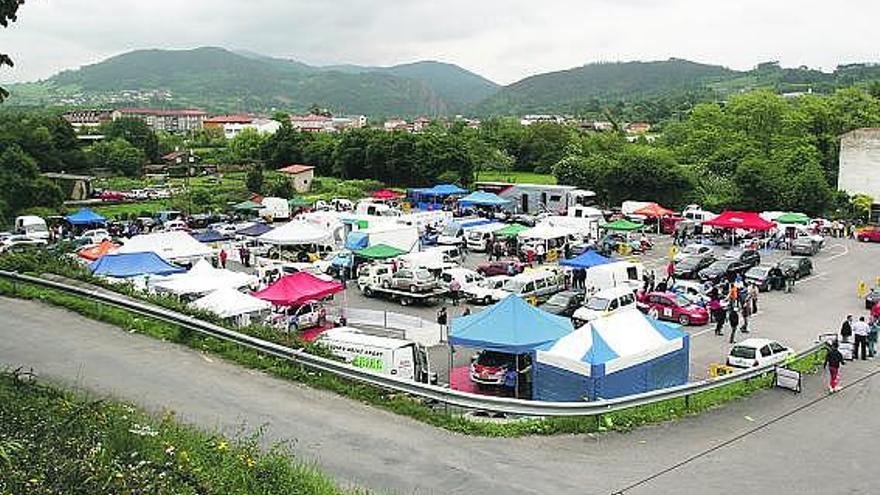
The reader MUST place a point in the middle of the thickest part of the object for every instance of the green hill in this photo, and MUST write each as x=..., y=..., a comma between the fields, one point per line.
x=223, y=81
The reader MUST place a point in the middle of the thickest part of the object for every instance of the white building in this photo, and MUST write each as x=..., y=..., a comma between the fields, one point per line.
x=232, y=125
x=860, y=164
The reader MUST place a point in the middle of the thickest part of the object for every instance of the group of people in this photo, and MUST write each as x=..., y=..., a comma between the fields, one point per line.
x=858, y=338
x=734, y=303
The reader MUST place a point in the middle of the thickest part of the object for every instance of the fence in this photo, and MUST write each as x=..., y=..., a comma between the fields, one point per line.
x=427, y=333
x=425, y=391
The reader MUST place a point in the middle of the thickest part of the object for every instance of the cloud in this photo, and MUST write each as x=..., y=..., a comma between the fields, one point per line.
x=504, y=40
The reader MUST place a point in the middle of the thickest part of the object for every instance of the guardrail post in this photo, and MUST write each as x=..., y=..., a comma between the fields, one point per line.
x=687, y=402
x=385, y=319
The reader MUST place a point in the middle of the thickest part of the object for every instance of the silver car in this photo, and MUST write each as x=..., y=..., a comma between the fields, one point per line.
x=412, y=280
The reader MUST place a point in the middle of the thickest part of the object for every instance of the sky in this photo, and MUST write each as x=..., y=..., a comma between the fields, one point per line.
x=503, y=40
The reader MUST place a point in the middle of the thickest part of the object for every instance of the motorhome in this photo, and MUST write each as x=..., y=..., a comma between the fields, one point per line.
x=538, y=198
x=535, y=284
x=403, y=237
x=621, y=273
x=32, y=227
x=397, y=357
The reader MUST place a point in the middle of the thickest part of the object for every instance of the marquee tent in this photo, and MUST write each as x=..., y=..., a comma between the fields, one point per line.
x=229, y=303
x=443, y=190
x=379, y=252
x=295, y=233
x=210, y=235
x=296, y=289
x=248, y=206
x=482, y=198
x=621, y=354
x=586, y=260
x=85, y=216
x=92, y=253
x=653, y=210
x=799, y=218
x=254, y=230
x=386, y=194
x=747, y=220
x=171, y=246
x=125, y=265
x=512, y=326
x=623, y=225
x=511, y=230
x=545, y=231
x=204, y=278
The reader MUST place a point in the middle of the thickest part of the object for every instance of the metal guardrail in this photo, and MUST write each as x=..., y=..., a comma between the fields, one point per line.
x=431, y=392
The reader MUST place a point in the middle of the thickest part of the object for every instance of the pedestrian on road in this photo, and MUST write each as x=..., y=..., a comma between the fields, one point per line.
x=454, y=291
x=530, y=257
x=846, y=328
x=466, y=312
x=872, y=339
x=753, y=296
x=442, y=320
x=734, y=321
x=670, y=273
x=833, y=361
x=540, y=253
x=717, y=315
x=746, y=313
x=223, y=255
x=860, y=331
x=652, y=281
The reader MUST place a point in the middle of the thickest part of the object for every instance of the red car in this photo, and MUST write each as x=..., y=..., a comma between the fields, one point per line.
x=674, y=307
x=111, y=196
x=502, y=267
x=869, y=234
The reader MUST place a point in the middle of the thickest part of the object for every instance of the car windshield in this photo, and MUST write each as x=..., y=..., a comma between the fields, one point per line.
x=493, y=359
x=474, y=236
x=789, y=263
x=682, y=301
x=719, y=266
x=758, y=271
x=741, y=351
x=689, y=262
x=559, y=299
x=422, y=274
x=451, y=230
x=513, y=285
x=598, y=304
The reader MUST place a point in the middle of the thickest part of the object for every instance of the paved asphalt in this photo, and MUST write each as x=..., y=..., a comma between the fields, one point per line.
x=774, y=442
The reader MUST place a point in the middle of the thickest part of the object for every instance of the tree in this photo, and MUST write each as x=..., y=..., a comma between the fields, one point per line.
x=118, y=156
x=8, y=13
x=136, y=132
x=247, y=146
x=169, y=142
x=641, y=171
x=22, y=186
x=254, y=179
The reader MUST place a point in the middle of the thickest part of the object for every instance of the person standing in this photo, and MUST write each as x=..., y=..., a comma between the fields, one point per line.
x=717, y=314
x=223, y=255
x=860, y=331
x=442, y=320
x=846, y=328
x=540, y=253
x=734, y=321
x=872, y=339
x=833, y=361
x=670, y=273
x=753, y=297
x=652, y=281
x=454, y=291
x=746, y=308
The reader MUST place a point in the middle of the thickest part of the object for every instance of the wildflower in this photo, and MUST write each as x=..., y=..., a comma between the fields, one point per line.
x=169, y=450
x=223, y=446
x=143, y=430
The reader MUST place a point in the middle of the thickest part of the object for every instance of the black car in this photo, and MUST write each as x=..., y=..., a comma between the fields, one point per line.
x=749, y=257
x=872, y=298
x=723, y=268
x=804, y=246
x=689, y=267
x=564, y=303
x=800, y=267
x=766, y=277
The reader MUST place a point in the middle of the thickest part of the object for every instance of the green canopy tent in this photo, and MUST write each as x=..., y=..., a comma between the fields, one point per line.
x=379, y=252
x=793, y=218
x=511, y=230
x=247, y=206
x=623, y=225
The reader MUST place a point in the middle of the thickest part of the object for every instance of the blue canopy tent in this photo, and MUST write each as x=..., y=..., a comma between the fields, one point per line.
x=85, y=216
x=357, y=240
x=511, y=326
x=588, y=259
x=132, y=265
x=444, y=190
x=427, y=198
x=622, y=354
x=210, y=236
x=254, y=230
x=482, y=198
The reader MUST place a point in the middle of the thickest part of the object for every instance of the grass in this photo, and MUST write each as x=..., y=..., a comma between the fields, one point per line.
x=52, y=441
x=399, y=403
x=516, y=177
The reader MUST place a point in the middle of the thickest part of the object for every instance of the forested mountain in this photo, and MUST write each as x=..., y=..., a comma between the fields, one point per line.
x=223, y=81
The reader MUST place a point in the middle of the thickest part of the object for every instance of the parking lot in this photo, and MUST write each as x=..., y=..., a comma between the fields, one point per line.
x=817, y=304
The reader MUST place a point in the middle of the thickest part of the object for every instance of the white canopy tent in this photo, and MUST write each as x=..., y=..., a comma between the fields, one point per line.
x=203, y=278
x=296, y=233
x=544, y=232
x=230, y=303
x=175, y=246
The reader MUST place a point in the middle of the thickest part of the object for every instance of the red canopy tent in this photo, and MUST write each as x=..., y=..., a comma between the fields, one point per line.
x=747, y=220
x=92, y=253
x=653, y=210
x=386, y=194
x=296, y=289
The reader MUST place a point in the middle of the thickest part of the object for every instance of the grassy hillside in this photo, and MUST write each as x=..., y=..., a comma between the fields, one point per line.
x=223, y=81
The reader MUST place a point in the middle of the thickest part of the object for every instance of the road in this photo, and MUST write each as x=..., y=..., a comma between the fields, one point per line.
x=786, y=440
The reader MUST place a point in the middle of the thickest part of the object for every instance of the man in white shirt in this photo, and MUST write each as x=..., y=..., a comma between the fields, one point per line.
x=860, y=331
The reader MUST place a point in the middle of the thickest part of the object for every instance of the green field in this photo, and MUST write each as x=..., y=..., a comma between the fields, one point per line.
x=516, y=177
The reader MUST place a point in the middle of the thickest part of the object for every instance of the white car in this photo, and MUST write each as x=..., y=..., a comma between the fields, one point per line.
x=21, y=240
x=488, y=291
x=227, y=229
x=692, y=290
x=691, y=250
x=604, y=303
x=175, y=225
x=464, y=276
x=94, y=236
x=756, y=352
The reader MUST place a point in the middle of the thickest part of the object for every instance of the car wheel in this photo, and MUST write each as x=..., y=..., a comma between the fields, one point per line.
x=684, y=320
x=487, y=300
x=405, y=301
x=368, y=292
x=654, y=313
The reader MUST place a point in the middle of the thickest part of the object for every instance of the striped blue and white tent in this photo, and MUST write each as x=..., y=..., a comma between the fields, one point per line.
x=622, y=354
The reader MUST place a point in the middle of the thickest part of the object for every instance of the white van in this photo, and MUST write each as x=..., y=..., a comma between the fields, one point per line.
x=464, y=276
x=697, y=214
x=538, y=284
x=477, y=238
x=32, y=227
x=372, y=275
x=401, y=358
x=621, y=273
x=375, y=209
x=604, y=303
x=450, y=254
x=275, y=208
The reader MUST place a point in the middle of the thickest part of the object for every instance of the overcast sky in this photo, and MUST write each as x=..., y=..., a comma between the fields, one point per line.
x=504, y=40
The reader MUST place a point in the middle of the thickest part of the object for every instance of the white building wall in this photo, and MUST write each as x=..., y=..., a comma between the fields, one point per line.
x=860, y=163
